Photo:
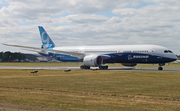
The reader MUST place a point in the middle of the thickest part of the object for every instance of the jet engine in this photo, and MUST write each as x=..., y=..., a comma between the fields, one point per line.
x=129, y=64
x=92, y=60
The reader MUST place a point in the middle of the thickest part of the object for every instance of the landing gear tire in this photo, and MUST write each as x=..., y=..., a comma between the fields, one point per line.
x=160, y=68
x=84, y=67
x=87, y=67
x=103, y=67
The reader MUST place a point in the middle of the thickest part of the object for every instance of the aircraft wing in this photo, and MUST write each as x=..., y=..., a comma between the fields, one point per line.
x=78, y=55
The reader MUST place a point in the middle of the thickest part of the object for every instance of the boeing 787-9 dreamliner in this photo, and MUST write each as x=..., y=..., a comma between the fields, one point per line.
x=98, y=56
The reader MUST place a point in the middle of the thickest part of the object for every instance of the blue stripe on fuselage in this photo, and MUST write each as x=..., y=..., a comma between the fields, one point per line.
x=116, y=58
x=61, y=57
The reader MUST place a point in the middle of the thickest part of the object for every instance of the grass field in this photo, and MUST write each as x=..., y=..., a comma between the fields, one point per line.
x=62, y=64
x=88, y=90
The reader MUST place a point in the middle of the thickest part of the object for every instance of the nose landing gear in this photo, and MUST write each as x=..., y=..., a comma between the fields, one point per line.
x=161, y=68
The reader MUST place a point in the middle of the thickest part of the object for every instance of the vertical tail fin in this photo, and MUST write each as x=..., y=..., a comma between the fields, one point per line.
x=46, y=40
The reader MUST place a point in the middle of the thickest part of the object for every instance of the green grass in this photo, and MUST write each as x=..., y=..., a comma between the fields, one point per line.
x=70, y=64
x=43, y=64
x=88, y=90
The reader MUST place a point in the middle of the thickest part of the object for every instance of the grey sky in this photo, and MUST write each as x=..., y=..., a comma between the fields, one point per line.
x=90, y=22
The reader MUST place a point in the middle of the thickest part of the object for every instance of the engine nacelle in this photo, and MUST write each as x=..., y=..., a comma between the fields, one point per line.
x=92, y=60
x=129, y=64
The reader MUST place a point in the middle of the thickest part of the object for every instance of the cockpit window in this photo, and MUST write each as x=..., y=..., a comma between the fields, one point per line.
x=165, y=51
x=168, y=51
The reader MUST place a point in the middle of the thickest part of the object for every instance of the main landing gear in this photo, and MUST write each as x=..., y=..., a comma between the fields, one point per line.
x=84, y=67
x=103, y=67
x=88, y=67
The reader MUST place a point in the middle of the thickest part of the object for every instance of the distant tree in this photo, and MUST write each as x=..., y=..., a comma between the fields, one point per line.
x=1, y=55
x=6, y=56
x=9, y=57
x=21, y=56
x=14, y=56
x=178, y=56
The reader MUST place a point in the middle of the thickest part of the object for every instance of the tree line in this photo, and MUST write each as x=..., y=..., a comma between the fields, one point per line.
x=11, y=57
x=178, y=56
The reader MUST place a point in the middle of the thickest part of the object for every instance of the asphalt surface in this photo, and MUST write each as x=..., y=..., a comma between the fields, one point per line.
x=109, y=69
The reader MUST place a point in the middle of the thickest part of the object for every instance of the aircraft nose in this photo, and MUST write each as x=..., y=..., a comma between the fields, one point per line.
x=174, y=57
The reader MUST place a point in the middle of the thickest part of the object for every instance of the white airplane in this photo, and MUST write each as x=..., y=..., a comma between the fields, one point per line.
x=98, y=56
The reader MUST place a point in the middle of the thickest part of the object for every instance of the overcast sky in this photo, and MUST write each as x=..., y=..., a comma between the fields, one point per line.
x=90, y=22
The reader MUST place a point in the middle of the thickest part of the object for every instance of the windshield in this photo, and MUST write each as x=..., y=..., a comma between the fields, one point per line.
x=168, y=51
